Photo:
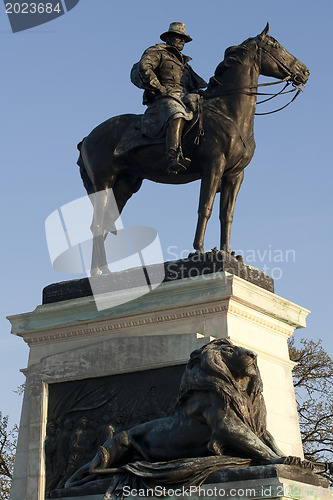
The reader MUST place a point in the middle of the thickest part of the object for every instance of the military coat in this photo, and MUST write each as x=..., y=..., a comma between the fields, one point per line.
x=171, y=87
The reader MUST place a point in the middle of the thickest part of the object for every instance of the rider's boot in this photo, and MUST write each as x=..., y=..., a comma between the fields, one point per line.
x=176, y=162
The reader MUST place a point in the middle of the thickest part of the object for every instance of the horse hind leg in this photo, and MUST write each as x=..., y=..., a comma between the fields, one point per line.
x=100, y=226
x=111, y=213
x=124, y=189
x=118, y=196
x=107, y=209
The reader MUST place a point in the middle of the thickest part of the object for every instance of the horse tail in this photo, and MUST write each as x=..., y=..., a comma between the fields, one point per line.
x=84, y=176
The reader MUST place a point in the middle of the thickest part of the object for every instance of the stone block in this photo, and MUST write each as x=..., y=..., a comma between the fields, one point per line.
x=72, y=341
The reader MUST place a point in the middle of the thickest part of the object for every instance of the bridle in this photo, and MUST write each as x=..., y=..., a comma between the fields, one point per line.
x=297, y=88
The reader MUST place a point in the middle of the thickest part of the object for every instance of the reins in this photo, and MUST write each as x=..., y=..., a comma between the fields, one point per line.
x=299, y=90
x=267, y=84
x=296, y=89
x=274, y=95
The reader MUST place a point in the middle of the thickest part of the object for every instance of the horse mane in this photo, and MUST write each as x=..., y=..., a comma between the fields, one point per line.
x=233, y=56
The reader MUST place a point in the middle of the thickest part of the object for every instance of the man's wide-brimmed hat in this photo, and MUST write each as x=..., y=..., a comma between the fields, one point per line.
x=176, y=29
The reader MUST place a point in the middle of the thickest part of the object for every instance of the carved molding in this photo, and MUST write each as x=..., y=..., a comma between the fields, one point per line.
x=81, y=332
x=250, y=316
x=61, y=334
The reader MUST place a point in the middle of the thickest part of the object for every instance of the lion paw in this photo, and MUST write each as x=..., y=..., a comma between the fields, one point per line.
x=298, y=462
x=103, y=456
x=215, y=448
x=123, y=439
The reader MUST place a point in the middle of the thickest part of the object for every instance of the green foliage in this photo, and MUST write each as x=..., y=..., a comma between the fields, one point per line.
x=313, y=382
x=7, y=455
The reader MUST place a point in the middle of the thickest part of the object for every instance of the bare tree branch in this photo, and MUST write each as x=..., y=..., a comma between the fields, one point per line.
x=7, y=456
x=313, y=382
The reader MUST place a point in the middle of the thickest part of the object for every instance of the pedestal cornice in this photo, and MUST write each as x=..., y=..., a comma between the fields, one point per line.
x=171, y=301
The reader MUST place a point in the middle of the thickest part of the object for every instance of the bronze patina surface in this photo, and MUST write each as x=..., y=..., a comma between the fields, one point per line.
x=220, y=145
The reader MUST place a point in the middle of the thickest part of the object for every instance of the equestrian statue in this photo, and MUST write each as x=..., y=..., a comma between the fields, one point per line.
x=186, y=133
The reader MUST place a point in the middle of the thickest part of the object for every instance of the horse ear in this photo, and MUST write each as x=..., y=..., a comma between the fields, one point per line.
x=264, y=31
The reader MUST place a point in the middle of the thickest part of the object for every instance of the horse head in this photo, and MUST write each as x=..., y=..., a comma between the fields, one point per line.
x=276, y=61
x=262, y=52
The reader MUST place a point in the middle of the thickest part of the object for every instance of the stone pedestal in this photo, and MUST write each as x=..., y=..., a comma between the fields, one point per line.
x=280, y=482
x=71, y=340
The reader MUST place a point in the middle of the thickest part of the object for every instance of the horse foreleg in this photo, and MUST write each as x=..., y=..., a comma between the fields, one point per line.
x=229, y=191
x=209, y=185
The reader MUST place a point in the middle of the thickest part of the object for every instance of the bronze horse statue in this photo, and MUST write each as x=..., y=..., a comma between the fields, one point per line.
x=225, y=149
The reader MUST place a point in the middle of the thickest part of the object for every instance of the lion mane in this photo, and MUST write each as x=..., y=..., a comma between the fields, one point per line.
x=208, y=371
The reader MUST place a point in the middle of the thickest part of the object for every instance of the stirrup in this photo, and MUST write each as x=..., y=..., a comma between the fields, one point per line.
x=177, y=165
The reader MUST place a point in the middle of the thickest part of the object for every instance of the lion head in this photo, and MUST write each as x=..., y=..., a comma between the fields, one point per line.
x=232, y=373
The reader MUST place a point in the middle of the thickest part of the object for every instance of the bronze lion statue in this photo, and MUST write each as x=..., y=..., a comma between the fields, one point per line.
x=220, y=412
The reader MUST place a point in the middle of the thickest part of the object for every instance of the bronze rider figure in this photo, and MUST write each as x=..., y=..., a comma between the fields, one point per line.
x=171, y=92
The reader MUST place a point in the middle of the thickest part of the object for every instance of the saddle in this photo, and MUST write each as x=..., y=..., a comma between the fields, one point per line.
x=133, y=137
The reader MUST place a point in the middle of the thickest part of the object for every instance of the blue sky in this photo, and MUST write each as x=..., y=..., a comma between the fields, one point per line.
x=62, y=79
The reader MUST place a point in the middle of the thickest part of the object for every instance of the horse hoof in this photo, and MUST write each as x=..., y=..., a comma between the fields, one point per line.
x=199, y=250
